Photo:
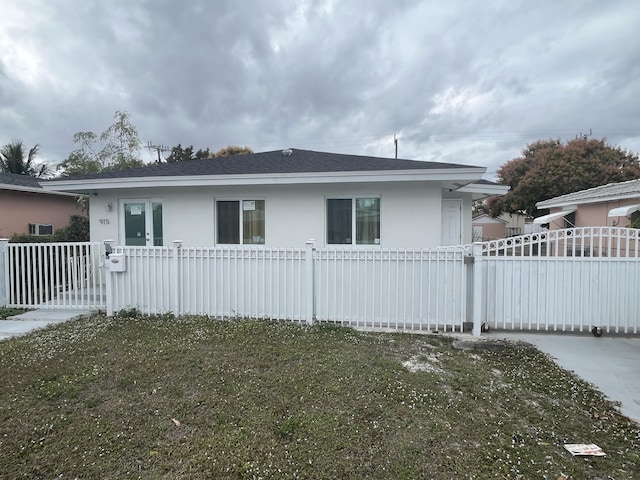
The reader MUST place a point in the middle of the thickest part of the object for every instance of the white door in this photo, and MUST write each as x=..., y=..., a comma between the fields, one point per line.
x=141, y=222
x=451, y=222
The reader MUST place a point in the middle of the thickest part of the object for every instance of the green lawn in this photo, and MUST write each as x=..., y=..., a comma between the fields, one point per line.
x=156, y=397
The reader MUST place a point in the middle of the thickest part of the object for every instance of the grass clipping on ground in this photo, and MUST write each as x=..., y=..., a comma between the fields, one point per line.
x=156, y=397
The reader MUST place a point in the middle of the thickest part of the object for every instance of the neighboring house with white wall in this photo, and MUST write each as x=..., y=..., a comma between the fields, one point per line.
x=26, y=208
x=614, y=204
x=284, y=198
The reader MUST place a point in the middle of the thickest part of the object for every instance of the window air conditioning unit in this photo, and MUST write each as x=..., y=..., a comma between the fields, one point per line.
x=40, y=229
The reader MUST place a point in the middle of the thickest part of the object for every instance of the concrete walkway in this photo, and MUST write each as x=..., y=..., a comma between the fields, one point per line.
x=29, y=321
x=611, y=362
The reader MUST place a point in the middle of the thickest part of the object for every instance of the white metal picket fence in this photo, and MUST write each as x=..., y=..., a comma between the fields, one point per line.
x=215, y=281
x=52, y=275
x=563, y=280
x=410, y=289
x=392, y=288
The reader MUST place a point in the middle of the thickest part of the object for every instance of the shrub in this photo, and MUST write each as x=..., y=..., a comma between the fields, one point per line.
x=77, y=230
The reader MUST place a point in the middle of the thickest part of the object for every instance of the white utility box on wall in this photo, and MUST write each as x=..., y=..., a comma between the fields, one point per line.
x=117, y=262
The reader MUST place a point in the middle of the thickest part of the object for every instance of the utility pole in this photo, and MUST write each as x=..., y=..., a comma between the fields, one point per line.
x=395, y=142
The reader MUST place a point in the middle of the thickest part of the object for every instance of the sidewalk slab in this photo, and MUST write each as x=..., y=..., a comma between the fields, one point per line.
x=51, y=315
x=29, y=321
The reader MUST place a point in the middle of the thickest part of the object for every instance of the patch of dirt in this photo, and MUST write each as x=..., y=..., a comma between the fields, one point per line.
x=423, y=363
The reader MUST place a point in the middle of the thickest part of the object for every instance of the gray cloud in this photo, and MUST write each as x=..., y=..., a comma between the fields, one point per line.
x=464, y=82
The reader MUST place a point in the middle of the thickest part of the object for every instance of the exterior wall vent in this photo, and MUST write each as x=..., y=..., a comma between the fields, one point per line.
x=287, y=152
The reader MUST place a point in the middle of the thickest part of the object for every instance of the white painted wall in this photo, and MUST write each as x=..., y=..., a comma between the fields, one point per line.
x=410, y=212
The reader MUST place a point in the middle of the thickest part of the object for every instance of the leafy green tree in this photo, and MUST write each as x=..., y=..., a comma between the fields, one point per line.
x=121, y=144
x=77, y=230
x=14, y=159
x=79, y=163
x=117, y=148
x=180, y=154
x=549, y=168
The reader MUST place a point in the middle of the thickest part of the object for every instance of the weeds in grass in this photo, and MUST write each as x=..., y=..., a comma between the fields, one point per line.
x=192, y=397
x=8, y=312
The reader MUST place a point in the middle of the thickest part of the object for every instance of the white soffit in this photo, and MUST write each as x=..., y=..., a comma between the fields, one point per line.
x=623, y=211
x=552, y=216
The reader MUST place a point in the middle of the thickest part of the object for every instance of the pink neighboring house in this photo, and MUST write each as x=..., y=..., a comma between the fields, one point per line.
x=26, y=208
x=612, y=205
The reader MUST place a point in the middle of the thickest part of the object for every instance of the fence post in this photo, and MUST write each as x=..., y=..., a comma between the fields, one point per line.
x=4, y=272
x=108, y=248
x=310, y=291
x=477, y=288
x=177, y=245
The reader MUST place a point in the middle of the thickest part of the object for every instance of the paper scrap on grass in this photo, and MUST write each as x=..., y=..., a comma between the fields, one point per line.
x=582, y=449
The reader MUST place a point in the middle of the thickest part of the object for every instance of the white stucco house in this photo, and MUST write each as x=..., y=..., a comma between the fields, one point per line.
x=284, y=198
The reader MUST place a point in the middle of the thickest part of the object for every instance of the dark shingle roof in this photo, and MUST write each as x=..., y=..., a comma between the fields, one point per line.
x=19, y=180
x=274, y=162
x=482, y=181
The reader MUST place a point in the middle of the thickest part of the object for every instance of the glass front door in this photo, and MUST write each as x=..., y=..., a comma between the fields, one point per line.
x=142, y=223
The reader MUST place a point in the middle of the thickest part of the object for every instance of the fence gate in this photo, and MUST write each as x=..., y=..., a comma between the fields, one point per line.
x=562, y=280
x=52, y=275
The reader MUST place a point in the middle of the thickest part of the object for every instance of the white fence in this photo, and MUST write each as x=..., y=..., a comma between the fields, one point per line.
x=399, y=289
x=562, y=280
x=216, y=281
x=52, y=275
x=412, y=289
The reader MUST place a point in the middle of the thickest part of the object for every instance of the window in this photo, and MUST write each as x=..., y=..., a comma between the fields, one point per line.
x=570, y=220
x=353, y=221
x=40, y=229
x=240, y=219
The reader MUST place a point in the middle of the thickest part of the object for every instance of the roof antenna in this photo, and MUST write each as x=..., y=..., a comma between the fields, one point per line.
x=158, y=149
x=395, y=142
x=584, y=136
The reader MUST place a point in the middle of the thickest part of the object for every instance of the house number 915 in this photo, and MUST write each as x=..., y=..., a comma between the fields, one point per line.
x=104, y=221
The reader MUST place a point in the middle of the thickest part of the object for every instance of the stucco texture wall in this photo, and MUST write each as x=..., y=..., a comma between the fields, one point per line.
x=596, y=214
x=410, y=212
x=19, y=209
x=492, y=231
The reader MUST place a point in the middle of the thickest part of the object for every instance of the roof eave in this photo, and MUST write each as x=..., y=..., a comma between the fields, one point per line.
x=20, y=188
x=480, y=191
x=605, y=198
x=83, y=185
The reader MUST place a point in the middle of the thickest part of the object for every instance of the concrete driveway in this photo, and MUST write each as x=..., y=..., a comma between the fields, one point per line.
x=29, y=321
x=611, y=362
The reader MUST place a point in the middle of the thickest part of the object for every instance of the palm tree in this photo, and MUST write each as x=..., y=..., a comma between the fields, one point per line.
x=12, y=160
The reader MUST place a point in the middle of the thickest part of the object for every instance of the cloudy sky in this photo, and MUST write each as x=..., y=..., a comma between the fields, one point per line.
x=469, y=82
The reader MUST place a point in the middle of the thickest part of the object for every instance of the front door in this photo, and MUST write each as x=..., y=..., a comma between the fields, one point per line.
x=451, y=222
x=141, y=222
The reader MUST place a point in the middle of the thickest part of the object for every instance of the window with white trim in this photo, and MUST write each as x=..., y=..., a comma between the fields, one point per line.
x=240, y=222
x=353, y=221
